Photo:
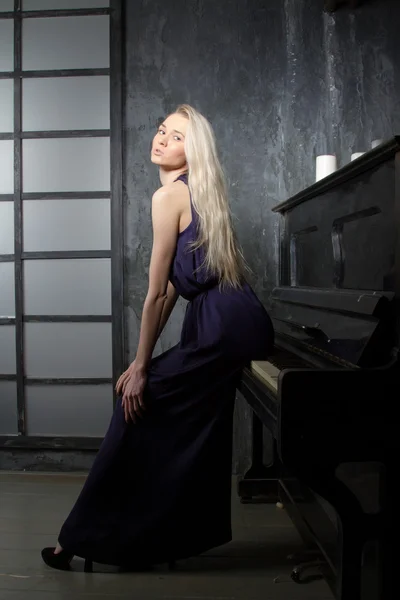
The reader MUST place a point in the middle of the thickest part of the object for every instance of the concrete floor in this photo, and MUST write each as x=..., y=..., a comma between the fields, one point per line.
x=252, y=567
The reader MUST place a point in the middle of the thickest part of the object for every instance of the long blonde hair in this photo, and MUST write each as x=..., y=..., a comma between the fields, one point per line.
x=206, y=181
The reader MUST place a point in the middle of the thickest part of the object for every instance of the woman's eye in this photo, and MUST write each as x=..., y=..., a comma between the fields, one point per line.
x=160, y=131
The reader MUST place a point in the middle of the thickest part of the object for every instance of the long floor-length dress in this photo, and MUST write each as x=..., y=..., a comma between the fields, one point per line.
x=160, y=489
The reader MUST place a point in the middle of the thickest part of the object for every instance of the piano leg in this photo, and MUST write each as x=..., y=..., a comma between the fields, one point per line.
x=351, y=540
x=260, y=483
x=390, y=532
x=355, y=528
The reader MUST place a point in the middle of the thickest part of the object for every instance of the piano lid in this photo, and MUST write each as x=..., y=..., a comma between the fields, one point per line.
x=339, y=288
x=345, y=325
x=369, y=161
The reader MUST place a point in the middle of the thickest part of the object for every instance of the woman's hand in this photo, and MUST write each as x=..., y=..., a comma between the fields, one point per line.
x=132, y=399
x=122, y=381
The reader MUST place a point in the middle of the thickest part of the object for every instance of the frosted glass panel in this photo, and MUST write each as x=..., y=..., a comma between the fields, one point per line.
x=6, y=5
x=54, y=4
x=6, y=105
x=8, y=408
x=66, y=165
x=6, y=228
x=80, y=286
x=7, y=290
x=6, y=167
x=47, y=43
x=66, y=103
x=7, y=350
x=6, y=45
x=66, y=225
x=68, y=350
x=79, y=411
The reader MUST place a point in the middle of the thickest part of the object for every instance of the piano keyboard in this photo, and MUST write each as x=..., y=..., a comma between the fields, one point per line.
x=268, y=371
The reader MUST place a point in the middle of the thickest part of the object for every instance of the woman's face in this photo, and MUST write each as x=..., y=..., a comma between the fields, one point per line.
x=168, y=144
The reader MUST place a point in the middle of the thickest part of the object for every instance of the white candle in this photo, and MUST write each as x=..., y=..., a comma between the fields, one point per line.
x=326, y=165
x=356, y=155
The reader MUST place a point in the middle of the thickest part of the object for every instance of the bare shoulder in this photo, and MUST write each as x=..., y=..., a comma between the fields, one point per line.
x=173, y=194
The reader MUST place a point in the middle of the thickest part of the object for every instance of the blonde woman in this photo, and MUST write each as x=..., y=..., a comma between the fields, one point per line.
x=160, y=486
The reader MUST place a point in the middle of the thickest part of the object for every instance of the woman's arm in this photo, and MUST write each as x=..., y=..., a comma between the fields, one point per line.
x=165, y=218
x=172, y=297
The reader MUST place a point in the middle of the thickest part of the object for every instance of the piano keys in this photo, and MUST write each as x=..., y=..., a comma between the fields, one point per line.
x=328, y=393
x=268, y=371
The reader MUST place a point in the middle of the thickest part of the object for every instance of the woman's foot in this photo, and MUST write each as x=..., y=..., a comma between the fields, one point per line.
x=57, y=560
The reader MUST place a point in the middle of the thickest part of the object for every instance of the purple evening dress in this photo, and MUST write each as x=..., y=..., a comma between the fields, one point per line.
x=161, y=489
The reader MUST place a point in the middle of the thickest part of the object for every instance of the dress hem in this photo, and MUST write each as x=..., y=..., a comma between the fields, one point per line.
x=176, y=554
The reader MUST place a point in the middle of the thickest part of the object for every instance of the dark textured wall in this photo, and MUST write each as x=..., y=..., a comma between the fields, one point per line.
x=281, y=81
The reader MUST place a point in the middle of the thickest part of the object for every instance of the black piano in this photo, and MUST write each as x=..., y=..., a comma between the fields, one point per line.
x=328, y=393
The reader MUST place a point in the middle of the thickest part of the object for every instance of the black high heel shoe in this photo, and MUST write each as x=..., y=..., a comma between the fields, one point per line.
x=62, y=560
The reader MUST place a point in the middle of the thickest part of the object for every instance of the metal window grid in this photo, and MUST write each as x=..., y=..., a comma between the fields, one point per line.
x=115, y=72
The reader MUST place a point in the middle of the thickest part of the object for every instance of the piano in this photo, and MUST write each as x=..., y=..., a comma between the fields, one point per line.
x=327, y=395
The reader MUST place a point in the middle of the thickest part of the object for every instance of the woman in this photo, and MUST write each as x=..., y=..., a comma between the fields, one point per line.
x=160, y=487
